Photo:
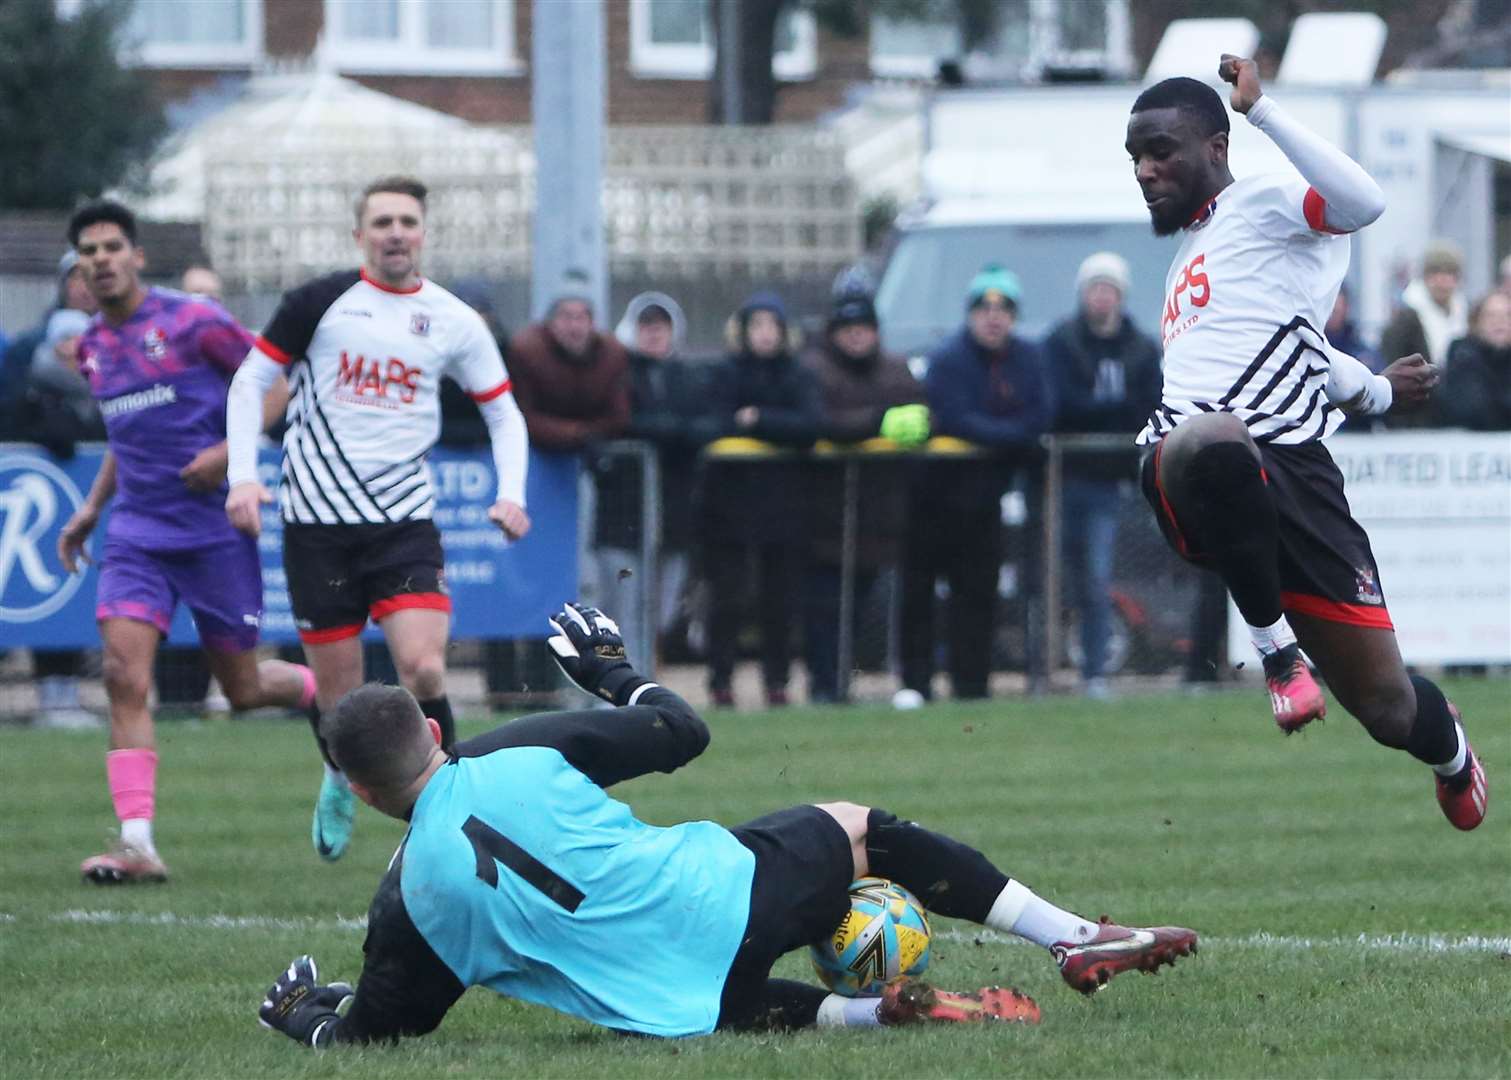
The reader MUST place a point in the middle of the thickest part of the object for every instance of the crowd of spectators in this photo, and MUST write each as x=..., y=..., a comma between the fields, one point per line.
x=758, y=522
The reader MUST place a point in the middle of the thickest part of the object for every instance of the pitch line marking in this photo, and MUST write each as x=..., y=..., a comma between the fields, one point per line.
x=1404, y=943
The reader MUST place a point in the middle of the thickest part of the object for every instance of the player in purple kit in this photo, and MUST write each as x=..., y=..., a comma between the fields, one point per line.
x=159, y=363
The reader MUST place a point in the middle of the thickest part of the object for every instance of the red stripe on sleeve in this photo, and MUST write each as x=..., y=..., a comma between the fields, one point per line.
x=1314, y=209
x=273, y=351
x=488, y=395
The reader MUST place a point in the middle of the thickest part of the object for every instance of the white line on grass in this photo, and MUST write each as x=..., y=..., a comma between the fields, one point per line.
x=1407, y=943
x=1402, y=943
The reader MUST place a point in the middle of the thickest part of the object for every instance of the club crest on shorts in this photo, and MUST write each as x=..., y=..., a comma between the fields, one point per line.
x=419, y=324
x=1369, y=588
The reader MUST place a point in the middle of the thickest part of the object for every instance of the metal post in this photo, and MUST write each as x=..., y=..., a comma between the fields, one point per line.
x=650, y=554
x=1053, y=466
x=849, y=535
x=567, y=112
x=729, y=61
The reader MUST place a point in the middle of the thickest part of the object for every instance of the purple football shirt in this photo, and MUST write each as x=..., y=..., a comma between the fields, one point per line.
x=161, y=378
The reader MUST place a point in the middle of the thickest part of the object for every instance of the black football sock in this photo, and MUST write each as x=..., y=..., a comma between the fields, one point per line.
x=949, y=877
x=439, y=710
x=1239, y=527
x=313, y=715
x=1434, y=737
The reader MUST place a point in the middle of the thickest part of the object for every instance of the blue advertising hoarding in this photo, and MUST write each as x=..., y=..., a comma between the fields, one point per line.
x=499, y=590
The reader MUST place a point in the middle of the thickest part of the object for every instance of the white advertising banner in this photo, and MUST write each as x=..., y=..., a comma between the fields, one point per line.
x=1437, y=507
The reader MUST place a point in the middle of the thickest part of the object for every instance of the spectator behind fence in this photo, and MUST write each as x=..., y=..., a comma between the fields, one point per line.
x=52, y=405
x=865, y=393
x=200, y=280
x=987, y=386
x=1433, y=313
x=756, y=509
x=668, y=409
x=1106, y=375
x=1504, y=284
x=1343, y=333
x=1476, y=390
x=572, y=384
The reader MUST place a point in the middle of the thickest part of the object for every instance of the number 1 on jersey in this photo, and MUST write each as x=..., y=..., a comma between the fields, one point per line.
x=488, y=844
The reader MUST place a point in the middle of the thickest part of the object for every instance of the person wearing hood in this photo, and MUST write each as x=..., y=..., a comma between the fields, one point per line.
x=866, y=394
x=1106, y=375
x=1433, y=312
x=986, y=386
x=1477, y=387
x=761, y=392
x=669, y=410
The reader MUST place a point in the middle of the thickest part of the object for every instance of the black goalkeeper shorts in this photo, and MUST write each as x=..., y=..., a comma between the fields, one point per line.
x=1327, y=569
x=800, y=892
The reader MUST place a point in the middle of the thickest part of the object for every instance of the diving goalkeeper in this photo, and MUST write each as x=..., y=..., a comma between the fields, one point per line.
x=519, y=873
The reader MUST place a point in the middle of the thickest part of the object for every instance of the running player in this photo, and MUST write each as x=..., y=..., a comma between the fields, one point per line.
x=521, y=874
x=158, y=362
x=367, y=349
x=1236, y=471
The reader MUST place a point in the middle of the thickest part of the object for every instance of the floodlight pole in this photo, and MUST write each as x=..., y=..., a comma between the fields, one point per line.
x=567, y=112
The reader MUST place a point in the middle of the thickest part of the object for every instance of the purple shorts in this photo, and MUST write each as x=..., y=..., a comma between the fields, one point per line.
x=222, y=587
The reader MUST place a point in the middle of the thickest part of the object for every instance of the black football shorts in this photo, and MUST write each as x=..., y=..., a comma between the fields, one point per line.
x=1327, y=569
x=340, y=575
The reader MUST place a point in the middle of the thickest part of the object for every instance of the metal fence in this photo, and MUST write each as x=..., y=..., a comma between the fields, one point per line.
x=638, y=549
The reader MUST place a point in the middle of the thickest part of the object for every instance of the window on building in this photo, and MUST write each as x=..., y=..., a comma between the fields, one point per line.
x=1022, y=39
x=674, y=39
x=447, y=37
x=172, y=33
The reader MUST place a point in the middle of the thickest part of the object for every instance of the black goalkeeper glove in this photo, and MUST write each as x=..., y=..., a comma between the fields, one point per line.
x=299, y=1006
x=587, y=646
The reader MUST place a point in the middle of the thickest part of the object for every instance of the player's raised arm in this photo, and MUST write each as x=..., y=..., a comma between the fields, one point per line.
x=653, y=730
x=1347, y=197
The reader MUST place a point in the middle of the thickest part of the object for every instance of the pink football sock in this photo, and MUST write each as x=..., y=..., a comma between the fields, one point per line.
x=133, y=782
x=307, y=695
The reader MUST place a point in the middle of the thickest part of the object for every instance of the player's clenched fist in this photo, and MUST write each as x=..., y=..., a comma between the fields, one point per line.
x=299, y=1006
x=510, y=517
x=1412, y=380
x=244, y=505
x=1243, y=73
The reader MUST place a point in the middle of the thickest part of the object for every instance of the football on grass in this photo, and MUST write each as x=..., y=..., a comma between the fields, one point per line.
x=884, y=935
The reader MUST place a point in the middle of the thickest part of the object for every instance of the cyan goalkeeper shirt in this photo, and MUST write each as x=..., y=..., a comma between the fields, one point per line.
x=519, y=873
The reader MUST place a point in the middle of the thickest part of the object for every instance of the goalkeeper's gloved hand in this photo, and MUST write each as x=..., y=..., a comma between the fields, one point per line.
x=587, y=646
x=299, y=1006
x=906, y=425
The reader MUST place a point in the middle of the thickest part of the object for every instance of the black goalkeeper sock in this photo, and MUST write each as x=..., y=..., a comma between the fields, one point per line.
x=1434, y=738
x=439, y=710
x=949, y=877
x=1239, y=527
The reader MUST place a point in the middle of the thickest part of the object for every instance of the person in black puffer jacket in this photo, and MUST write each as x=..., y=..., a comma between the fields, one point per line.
x=759, y=391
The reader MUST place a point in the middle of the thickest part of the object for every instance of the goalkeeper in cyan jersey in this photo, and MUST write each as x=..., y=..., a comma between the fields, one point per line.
x=521, y=874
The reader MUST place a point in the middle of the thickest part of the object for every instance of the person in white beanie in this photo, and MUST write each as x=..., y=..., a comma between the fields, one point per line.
x=1106, y=373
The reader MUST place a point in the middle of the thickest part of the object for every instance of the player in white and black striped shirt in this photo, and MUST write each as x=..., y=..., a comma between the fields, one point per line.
x=1236, y=471
x=366, y=350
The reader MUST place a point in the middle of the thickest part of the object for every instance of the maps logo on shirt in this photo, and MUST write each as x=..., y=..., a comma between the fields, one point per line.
x=36, y=499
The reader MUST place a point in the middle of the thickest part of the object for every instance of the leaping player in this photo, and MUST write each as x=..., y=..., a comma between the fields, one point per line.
x=1235, y=469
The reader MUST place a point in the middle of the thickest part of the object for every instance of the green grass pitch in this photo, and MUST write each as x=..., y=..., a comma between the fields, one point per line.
x=1348, y=930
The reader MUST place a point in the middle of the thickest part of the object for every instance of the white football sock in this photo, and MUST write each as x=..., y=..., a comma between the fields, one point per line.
x=1456, y=763
x=1018, y=911
x=837, y=1011
x=338, y=776
x=1271, y=639
x=137, y=832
